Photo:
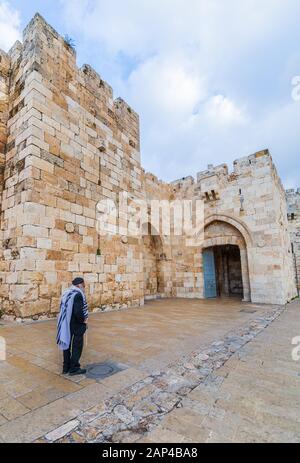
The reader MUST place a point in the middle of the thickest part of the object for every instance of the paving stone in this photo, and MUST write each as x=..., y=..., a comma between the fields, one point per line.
x=38, y=398
x=2, y=420
x=11, y=408
x=123, y=379
x=217, y=438
x=162, y=435
x=89, y=396
x=194, y=400
x=187, y=425
x=60, y=432
x=16, y=389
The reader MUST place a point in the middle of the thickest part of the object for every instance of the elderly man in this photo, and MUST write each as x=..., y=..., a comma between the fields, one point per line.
x=71, y=326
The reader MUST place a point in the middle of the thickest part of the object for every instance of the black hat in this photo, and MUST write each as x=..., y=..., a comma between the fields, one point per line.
x=77, y=281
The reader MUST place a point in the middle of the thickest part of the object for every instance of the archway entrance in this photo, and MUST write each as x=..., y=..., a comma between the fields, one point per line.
x=222, y=270
x=225, y=259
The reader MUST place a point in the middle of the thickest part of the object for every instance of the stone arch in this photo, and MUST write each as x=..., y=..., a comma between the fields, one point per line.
x=154, y=256
x=236, y=223
x=221, y=230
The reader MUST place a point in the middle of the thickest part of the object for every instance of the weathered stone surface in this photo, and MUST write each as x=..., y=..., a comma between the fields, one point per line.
x=243, y=371
x=62, y=431
x=35, y=424
x=11, y=408
x=171, y=396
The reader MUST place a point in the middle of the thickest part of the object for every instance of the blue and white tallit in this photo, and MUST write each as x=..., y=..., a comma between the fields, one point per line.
x=63, y=337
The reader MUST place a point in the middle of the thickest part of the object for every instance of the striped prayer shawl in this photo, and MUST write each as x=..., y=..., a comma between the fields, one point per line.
x=63, y=337
x=85, y=304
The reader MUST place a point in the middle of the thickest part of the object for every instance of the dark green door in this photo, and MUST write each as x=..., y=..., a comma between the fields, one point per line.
x=209, y=270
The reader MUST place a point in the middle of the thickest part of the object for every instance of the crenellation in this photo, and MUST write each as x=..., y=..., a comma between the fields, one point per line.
x=211, y=171
x=183, y=182
x=35, y=25
x=94, y=82
x=15, y=51
x=128, y=121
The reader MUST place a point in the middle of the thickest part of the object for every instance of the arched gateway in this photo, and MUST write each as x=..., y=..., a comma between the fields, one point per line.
x=225, y=258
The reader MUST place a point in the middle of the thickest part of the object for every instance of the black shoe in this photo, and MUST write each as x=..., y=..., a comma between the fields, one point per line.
x=79, y=371
x=65, y=371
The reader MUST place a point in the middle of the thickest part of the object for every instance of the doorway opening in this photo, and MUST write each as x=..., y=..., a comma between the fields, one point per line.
x=222, y=270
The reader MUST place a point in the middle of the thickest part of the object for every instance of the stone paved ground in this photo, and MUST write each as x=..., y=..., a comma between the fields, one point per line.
x=198, y=371
x=253, y=397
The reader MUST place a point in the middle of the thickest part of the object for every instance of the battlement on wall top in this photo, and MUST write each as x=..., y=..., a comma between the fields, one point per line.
x=38, y=22
x=292, y=191
x=183, y=182
x=38, y=27
x=153, y=179
x=240, y=165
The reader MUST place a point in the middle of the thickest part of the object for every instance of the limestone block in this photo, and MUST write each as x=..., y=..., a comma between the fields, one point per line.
x=36, y=231
x=24, y=292
x=28, y=309
x=39, y=164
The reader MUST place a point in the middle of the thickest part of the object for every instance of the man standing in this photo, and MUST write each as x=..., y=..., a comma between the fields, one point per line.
x=71, y=326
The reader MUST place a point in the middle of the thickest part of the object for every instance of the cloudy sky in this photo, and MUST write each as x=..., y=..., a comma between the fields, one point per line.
x=211, y=79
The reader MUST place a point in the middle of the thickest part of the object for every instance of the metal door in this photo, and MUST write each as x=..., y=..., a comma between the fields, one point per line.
x=210, y=285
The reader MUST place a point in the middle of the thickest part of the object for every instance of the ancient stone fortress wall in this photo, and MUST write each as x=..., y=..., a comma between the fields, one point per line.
x=247, y=208
x=65, y=145
x=70, y=144
x=293, y=205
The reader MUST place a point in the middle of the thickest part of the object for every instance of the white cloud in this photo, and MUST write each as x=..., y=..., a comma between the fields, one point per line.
x=222, y=110
x=137, y=27
x=166, y=84
x=9, y=26
x=210, y=79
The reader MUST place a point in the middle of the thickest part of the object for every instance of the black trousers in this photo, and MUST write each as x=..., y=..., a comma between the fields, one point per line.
x=73, y=354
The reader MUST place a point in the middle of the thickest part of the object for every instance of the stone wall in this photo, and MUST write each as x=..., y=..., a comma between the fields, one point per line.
x=251, y=199
x=65, y=145
x=70, y=145
x=247, y=208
